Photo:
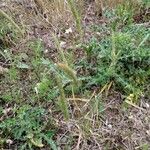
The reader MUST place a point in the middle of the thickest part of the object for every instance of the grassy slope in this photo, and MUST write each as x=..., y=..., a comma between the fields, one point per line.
x=73, y=79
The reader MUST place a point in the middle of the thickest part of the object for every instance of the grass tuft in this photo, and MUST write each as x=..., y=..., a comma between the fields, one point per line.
x=11, y=21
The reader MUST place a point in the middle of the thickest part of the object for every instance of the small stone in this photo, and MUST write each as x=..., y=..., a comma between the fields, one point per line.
x=147, y=105
x=9, y=141
x=46, y=51
x=68, y=31
x=62, y=44
x=109, y=126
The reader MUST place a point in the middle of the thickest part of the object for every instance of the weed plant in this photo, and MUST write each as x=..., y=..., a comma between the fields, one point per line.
x=122, y=58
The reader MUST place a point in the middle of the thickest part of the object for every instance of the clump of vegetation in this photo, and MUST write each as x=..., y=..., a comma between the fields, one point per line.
x=122, y=57
x=26, y=126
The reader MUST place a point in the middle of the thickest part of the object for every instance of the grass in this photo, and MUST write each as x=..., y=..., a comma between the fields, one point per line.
x=11, y=21
x=76, y=15
x=59, y=90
